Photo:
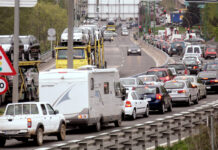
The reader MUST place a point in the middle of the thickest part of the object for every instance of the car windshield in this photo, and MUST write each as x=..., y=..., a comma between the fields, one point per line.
x=174, y=85
x=5, y=40
x=190, y=58
x=147, y=78
x=149, y=90
x=128, y=81
x=191, y=79
x=77, y=30
x=157, y=73
x=77, y=54
x=177, y=66
x=25, y=40
x=212, y=67
x=190, y=62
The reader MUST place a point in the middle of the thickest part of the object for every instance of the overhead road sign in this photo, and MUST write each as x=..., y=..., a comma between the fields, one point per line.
x=23, y=3
x=6, y=67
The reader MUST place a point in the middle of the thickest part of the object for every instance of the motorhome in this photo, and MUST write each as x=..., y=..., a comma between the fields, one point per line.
x=86, y=96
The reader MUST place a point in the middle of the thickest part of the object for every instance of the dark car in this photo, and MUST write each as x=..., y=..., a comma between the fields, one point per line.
x=31, y=47
x=192, y=66
x=180, y=68
x=176, y=48
x=134, y=50
x=160, y=99
x=164, y=74
x=209, y=76
x=7, y=43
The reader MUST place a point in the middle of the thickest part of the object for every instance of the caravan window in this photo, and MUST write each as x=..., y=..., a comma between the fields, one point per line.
x=106, y=87
x=92, y=83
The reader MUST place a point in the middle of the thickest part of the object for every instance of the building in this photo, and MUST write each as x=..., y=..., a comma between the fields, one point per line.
x=106, y=9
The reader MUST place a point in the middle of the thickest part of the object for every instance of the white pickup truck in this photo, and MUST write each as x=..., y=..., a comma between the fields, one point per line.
x=31, y=120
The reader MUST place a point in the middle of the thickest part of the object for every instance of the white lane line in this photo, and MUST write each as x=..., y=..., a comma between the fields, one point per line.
x=43, y=148
x=59, y=144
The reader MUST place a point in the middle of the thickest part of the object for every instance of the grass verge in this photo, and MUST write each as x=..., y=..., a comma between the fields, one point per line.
x=2, y=110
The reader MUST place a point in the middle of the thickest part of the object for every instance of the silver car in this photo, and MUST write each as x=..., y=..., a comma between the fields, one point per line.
x=182, y=91
x=150, y=79
x=125, y=32
x=202, y=92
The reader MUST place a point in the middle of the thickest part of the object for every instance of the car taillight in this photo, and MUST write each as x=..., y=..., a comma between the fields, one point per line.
x=158, y=96
x=29, y=122
x=128, y=104
x=214, y=81
x=182, y=91
x=195, y=67
x=167, y=78
x=186, y=71
x=133, y=88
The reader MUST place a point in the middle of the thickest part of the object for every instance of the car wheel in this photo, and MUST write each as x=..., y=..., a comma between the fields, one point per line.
x=162, y=110
x=62, y=132
x=134, y=114
x=197, y=99
x=127, y=54
x=189, y=101
x=170, y=108
x=39, y=137
x=2, y=142
x=97, y=126
x=118, y=123
x=146, y=112
x=140, y=54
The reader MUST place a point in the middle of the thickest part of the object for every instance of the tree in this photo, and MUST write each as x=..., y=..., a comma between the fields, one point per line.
x=192, y=15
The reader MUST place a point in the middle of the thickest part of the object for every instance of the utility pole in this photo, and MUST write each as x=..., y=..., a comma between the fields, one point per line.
x=15, y=94
x=154, y=16
x=71, y=14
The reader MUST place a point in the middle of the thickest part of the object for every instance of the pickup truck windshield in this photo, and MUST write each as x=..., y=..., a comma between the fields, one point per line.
x=77, y=54
x=22, y=109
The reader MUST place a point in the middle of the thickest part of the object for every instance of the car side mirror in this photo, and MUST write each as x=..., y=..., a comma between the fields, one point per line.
x=56, y=112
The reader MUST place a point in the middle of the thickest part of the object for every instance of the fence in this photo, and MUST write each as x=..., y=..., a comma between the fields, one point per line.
x=140, y=136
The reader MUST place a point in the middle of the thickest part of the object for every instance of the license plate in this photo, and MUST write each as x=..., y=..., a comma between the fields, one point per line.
x=208, y=87
x=10, y=132
x=189, y=67
x=174, y=50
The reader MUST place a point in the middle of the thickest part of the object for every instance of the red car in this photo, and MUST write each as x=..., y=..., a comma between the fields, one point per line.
x=163, y=74
x=210, y=52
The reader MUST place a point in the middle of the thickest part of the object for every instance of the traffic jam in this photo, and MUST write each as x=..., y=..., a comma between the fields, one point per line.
x=92, y=95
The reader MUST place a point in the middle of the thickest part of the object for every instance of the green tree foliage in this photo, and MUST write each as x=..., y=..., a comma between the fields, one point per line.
x=36, y=21
x=192, y=16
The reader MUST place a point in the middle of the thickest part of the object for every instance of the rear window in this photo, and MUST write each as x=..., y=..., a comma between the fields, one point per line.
x=177, y=66
x=212, y=67
x=157, y=73
x=191, y=79
x=150, y=90
x=189, y=50
x=22, y=109
x=196, y=50
x=147, y=78
x=128, y=81
x=211, y=50
x=174, y=85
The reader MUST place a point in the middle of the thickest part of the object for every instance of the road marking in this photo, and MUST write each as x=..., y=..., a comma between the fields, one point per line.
x=73, y=141
x=59, y=144
x=44, y=148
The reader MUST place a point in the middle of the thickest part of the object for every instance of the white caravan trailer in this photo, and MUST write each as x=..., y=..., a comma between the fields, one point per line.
x=85, y=96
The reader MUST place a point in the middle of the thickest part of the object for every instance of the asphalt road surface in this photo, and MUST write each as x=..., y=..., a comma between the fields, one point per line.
x=116, y=56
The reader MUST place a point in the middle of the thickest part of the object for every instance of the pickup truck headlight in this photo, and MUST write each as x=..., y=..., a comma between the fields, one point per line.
x=138, y=50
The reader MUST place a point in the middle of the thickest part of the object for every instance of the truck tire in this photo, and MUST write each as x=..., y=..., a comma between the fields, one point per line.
x=97, y=126
x=2, y=142
x=62, y=132
x=39, y=137
x=146, y=112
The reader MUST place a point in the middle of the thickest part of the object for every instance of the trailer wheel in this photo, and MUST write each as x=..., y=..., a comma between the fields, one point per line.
x=2, y=142
x=39, y=137
x=118, y=122
x=97, y=126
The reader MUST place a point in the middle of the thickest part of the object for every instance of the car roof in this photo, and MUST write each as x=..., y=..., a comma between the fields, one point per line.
x=158, y=69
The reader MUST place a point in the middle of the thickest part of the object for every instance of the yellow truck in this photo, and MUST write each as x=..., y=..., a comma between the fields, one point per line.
x=82, y=55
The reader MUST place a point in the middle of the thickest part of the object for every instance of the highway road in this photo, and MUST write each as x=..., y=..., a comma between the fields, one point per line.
x=116, y=56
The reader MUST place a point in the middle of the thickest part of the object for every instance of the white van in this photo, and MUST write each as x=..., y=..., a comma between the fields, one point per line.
x=193, y=50
x=85, y=97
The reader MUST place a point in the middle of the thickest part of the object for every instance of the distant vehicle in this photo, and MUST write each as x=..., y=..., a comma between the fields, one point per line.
x=134, y=50
x=177, y=48
x=31, y=47
x=209, y=76
x=31, y=120
x=134, y=105
x=163, y=74
x=194, y=50
x=180, y=68
x=125, y=32
x=85, y=96
x=176, y=18
x=210, y=53
x=7, y=43
x=192, y=66
x=202, y=92
x=108, y=35
x=150, y=79
x=182, y=91
x=159, y=98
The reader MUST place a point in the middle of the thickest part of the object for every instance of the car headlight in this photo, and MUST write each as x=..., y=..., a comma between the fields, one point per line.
x=129, y=50
x=138, y=50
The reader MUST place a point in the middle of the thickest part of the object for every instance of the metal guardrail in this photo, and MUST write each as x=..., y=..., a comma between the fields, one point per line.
x=142, y=135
